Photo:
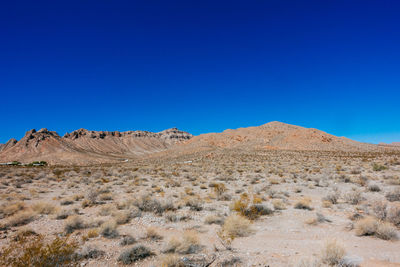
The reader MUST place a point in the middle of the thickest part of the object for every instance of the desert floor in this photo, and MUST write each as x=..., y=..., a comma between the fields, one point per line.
x=224, y=208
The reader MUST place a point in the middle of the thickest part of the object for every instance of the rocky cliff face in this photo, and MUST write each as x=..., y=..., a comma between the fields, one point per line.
x=83, y=146
x=9, y=144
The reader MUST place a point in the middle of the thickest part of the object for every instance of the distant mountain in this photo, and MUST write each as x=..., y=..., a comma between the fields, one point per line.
x=397, y=144
x=85, y=147
x=276, y=136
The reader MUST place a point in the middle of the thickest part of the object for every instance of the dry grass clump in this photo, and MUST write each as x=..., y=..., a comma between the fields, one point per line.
x=105, y=196
x=386, y=231
x=171, y=260
x=106, y=210
x=20, y=218
x=278, y=204
x=92, y=233
x=89, y=252
x=122, y=217
x=32, y=250
x=353, y=197
x=63, y=214
x=219, y=189
x=194, y=203
x=149, y=204
x=393, y=214
x=393, y=195
x=214, y=219
x=152, y=233
x=73, y=223
x=333, y=253
x=373, y=187
x=67, y=201
x=304, y=203
x=370, y=226
x=127, y=240
x=319, y=218
x=332, y=198
x=377, y=167
x=236, y=226
x=44, y=208
x=251, y=209
x=134, y=254
x=9, y=209
x=109, y=229
x=188, y=244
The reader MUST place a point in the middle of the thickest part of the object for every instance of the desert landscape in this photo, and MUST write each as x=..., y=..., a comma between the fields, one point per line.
x=271, y=195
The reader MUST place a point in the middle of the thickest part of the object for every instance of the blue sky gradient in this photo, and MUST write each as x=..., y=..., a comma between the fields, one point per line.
x=201, y=66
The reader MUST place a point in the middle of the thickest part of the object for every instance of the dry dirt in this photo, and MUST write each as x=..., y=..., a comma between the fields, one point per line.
x=296, y=202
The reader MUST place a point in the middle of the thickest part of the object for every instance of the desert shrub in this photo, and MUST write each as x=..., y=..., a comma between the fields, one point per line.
x=32, y=250
x=304, y=203
x=194, y=203
x=379, y=209
x=152, y=233
x=122, y=217
x=236, y=226
x=172, y=245
x=134, y=254
x=106, y=210
x=172, y=261
x=332, y=198
x=20, y=218
x=188, y=244
x=73, y=223
x=393, y=214
x=219, y=189
x=109, y=229
x=148, y=204
x=90, y=252
x=105, y=196
x=366, y=226
x=214, y=219
x=63, y=214
x=231, y=261
x=353, y=197
x=386, y=231
x=319, y=218
x=127, y=240
x=67, y=201
x=10, y=209
x=92, y=233
x=91, y=197
x=371, y=226
x=377, y=167
x=278, y=204
x=373, y=187
x=393, y=195
x=333, y=253
x=44, y=208
x=251, y=211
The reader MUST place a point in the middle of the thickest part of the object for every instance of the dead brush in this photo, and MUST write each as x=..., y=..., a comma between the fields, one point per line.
x=32, y=250
x=250, y=207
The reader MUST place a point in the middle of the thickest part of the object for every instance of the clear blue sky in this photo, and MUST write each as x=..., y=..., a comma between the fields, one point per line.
x=201, y=66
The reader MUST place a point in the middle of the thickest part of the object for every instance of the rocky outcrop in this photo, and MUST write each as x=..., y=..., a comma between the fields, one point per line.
x=9, y=144
x=83, y=146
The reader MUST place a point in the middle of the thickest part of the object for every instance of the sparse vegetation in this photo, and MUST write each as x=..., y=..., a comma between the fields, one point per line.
x=134, y=254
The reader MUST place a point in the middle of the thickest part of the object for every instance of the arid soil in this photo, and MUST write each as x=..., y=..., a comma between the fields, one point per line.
x=226, y=207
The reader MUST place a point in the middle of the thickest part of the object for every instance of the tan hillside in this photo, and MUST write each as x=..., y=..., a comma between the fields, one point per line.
x=85, y=147
x=278, y=136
